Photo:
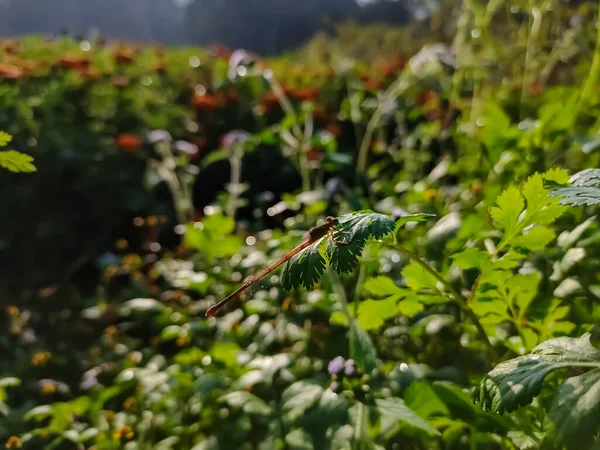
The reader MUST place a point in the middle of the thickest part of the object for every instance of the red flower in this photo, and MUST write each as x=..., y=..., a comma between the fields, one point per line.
x=373, y=85
x=129, y=142
x=535, y=88
x=334, y=128
x=121, y=57
x=120, y=81
x=392, y=67
x=305, y=94
x=206, y=102
x=313, y=154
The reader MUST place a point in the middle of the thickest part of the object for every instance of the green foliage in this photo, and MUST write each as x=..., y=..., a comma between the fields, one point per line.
x=572, y=417
x=12, y=160
x=343, y=248
x=383, y=351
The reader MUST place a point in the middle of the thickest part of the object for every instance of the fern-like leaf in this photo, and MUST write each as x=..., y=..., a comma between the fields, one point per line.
x=15, y=161
x=584, y=189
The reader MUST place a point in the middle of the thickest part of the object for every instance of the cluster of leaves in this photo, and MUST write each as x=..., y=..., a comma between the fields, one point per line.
x=462, y=255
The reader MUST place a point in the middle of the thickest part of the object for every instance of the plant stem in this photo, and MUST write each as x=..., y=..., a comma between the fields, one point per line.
x=339, y=290
x=459, y=298
x=591, y=82
x=394, y=91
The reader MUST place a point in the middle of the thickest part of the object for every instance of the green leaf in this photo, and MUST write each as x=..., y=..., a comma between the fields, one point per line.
x=422, y=399
x=510, y=205
x=413, y=305
x=584, y=189
x=299, y=440
x=372, y=314
x=471, y=258
x=304, y=268
x=339, y=318
x=362, y=349
x=523, y=441
x=351, y=235
x=420, y=217
x=541, y=209
x=225, y=352
x=247, y=402
x=298, y=398
x=16, y=161
x=516, y=382
x=418, y=278
x=512, y=215
x=535, y=240
x=343, y=248
x=5, y=138
x=575, y=411
x=395, y=407
x=381, y=286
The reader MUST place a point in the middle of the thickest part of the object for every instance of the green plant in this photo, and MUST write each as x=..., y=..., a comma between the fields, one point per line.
x=12, y=160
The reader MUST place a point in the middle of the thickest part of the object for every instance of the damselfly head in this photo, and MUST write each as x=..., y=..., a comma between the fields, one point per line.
x=332, y=221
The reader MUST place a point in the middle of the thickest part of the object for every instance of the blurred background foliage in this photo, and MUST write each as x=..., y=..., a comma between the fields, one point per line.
x=167, y=174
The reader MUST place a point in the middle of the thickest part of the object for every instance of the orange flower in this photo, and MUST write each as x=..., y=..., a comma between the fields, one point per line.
x=10, y=71
x=12, y=310
x=75, y=63
x=14, y=442
x=205, y=102
x=128, y=142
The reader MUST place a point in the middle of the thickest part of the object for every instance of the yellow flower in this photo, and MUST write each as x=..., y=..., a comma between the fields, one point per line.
x=48, y=387
x=40, y=358
x=14, y=442
x=430, y=193
x=124, y=432
x=182, y=340
x=12, y=310
x=129, y=403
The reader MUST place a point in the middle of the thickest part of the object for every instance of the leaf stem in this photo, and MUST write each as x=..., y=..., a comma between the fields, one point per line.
x=459, y=298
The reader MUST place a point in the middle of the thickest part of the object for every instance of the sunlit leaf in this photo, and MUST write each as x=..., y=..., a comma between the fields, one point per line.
x=372, y=314
x=304, y=268
x=573, y=416
x=16, y=161
x=396, y=408
x=362, y=349
x=381, y=286
x=418, y=278
x=516, y=382
x=471, y=259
